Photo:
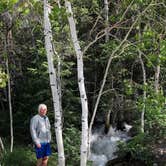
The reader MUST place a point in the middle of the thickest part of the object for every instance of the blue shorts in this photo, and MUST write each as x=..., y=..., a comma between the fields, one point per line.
x=44, y=151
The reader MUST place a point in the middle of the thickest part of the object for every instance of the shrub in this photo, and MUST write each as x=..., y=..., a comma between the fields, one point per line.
x=19, y=157
x=22, y=156
x=137, y=148
x=72, y=146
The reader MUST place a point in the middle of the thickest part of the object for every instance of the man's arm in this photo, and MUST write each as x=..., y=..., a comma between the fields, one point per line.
x=33, y=131
x=49, y=128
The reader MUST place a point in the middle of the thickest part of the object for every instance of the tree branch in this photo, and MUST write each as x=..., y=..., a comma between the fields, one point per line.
x=108, y=65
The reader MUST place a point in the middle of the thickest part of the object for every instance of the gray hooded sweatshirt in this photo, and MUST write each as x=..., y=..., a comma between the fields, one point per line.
x=40, y=129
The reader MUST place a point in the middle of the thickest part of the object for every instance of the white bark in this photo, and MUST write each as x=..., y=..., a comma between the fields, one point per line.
x=53, y=83
x=144, y=93
x=2, y=145
x=84, y=103
x=106, y=10
x=157, y=70
x=7, y=19
x=157, y=76
x=7, y=44
x=59, y=77
x=59, y=4
x=59, y=86
x=144, y=88
x=10, y=107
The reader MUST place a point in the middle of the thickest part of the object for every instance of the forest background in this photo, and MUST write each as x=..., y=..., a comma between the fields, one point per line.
x=123, y=45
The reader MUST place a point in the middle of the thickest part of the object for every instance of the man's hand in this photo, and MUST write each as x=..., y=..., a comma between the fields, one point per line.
x=38, y=145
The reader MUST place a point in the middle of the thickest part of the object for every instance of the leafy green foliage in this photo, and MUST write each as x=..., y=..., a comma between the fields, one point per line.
x=155, y=113
x=72, y=145
x=128, y=87
x=5, y=4
x=23, y=156
x=20, y=156
x=3, y=78
x=162, y=55
x=138, y=148
x=30, y=85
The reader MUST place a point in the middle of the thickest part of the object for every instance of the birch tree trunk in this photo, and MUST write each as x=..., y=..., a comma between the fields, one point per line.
x=106, y=10
x=144, y=84
x=2, y=145
x=157, y=72
x=59, y=88
x=59, y=4
x=10, y=107
x=157, y=69
x=80, y=73
x=7, y=19
x=144, y=92
x=59, y=78
x=7, y=45
x=53, y=83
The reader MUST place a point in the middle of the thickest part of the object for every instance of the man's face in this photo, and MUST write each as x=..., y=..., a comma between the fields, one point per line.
x=43, y=111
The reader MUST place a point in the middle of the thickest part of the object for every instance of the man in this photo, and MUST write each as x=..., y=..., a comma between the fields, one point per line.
x=41, y=135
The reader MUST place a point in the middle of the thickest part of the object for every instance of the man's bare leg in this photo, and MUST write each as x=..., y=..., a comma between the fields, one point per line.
x=45, y=161
x=39, y=162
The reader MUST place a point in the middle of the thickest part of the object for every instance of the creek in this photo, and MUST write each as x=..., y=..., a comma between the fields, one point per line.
x=104, y=146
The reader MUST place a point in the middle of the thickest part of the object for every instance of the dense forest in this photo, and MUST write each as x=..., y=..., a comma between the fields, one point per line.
x=98, y=65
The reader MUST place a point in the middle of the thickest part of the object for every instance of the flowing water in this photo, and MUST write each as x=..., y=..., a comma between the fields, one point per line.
x=104, y=146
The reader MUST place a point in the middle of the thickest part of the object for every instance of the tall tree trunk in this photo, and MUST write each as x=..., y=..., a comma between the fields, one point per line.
x=10, y=107
x=106, y=10
x=157, y=71
x=144, y=92
x=59, y=77
x=144, y=85
x=59, y=87
x=53, y=83
x=83, y=96
x=157, y=74
x=7, y=20
x=7, y=50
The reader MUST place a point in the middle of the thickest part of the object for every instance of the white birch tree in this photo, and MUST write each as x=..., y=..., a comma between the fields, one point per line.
x=59, y=77
x=10, y=107
x=106, y=11
x=157, y=71
x=53, y=83
x=144, y=93
x=157, y=76
x=81, y=84
x=7, y=20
